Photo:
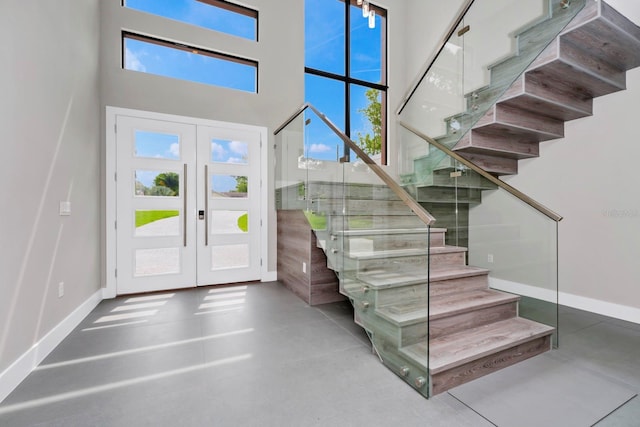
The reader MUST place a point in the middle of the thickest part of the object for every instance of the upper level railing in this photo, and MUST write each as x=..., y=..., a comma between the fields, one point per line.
x=455, y=24
x=486, y=48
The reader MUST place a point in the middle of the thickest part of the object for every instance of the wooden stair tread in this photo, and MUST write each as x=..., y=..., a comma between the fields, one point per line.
x=456, y=272
x=454, y=350
x=396, y=253
x=389, y=279
x=442, y=306
x=447, y=305
x=387, y=231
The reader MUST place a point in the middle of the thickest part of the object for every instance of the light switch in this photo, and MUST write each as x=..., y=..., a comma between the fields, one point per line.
x=65, y=208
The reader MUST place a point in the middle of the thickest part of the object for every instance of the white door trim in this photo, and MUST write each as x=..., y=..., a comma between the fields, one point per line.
x=110, y=290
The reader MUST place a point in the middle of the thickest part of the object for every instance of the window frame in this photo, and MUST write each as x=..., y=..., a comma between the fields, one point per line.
x=348, y=80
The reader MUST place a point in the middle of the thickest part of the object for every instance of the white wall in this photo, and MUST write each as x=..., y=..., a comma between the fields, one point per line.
x=590, y=177
x=49, y=116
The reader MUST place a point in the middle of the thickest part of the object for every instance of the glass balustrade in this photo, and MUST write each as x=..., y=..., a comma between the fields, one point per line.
x=448, y=268
x=373, y=240
x=488, y=49
x=515, y=242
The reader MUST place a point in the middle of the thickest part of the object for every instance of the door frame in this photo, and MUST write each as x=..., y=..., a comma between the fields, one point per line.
x=111, y=280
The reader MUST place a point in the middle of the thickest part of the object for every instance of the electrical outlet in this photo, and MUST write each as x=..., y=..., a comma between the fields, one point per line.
x=60, y=289
x=304, y=267
x=490, y=258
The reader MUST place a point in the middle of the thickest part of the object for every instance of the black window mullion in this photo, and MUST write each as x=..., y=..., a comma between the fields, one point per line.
x=347, y=73
x=348, y=81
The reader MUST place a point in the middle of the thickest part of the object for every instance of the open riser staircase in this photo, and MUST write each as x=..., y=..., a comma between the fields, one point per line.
x=383, y=255
x=431, y=317
x=587, y=60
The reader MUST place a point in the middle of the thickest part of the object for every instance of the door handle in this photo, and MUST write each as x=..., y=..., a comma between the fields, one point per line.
x=184, y=208
x=206, y=205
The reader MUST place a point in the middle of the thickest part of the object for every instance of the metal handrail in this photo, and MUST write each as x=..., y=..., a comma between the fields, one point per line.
x=517, y=193
x=416, y=207
x=432, y=59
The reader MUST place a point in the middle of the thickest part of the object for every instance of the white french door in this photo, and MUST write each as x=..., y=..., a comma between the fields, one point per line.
x=187, y=204
x=228, y=234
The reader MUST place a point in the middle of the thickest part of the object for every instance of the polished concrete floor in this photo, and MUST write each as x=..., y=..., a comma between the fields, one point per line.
x=256, y=355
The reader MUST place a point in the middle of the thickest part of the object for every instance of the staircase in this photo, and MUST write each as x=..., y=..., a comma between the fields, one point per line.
x=432, y=318
x=383, y=255
x=587, y=60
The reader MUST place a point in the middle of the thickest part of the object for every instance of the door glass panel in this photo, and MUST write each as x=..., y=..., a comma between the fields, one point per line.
x=151, y=262
x=156, y=145
x=229, y=186
x=229, y=256
x=157, y=183
x=153, y=223
x=227, y=151
x=229, y=222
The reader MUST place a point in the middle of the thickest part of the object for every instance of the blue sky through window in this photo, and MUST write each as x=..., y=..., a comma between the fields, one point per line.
x=226, y=151
x=201, y=14
x=223, y=183
x=157, y=145
x=325, y=51
x=165, y=61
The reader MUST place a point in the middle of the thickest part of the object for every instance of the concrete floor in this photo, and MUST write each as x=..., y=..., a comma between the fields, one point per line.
x=259, y=356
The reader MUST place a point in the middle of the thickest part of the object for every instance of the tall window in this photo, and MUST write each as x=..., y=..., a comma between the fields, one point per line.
x=345, y=66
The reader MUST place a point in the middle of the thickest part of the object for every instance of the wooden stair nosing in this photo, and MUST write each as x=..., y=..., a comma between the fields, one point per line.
x=504, y=144
x=532, y=93
x=481, y=186
x=569, y=71
x=384, y=279
x=549, y=107
x=398, y=253
x=613, y=31
x=455, y=304
x=387, y=231
x=493, y=164
x=504, y=334
x=521, y=121
x=490, y=363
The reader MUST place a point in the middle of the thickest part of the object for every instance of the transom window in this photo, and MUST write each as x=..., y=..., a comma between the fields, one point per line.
x=218, y=15
x=161, y=57
x=345, y=66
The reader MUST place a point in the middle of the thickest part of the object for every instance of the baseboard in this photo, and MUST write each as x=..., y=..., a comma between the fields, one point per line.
x=18, y=371
x=269, y=276
x=609, y=309
x=108, y=293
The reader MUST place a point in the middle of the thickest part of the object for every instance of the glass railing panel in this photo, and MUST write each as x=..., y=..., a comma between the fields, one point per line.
x=376, y=243
x=514, y=242
x=385, y=252
x=290, y=180
x=489, y=49
x=491, y=36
